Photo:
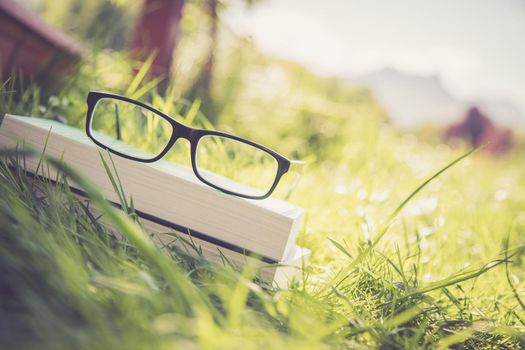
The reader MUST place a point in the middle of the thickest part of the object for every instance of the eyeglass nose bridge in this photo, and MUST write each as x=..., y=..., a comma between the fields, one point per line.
x=182, y=131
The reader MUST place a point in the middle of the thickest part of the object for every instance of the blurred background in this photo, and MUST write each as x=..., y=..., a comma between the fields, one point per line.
x=425, y=61
x=451, y=71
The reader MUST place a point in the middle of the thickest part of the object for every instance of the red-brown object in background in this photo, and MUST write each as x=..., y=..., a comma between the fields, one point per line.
x=156, y=32
x=32, y=47
x=478, y=130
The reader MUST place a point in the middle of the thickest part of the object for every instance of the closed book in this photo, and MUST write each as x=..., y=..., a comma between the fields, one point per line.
x=168, y=196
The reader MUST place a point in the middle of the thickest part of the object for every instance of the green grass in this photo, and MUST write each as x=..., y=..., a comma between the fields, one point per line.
x=404, y=255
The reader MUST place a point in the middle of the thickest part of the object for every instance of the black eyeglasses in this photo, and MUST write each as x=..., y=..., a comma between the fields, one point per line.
x=231, y=164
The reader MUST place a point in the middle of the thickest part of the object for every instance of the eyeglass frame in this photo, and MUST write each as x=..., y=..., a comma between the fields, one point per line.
x=193, y=135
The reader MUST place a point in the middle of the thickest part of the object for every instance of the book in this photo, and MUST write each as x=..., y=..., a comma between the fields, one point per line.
x=168, y=196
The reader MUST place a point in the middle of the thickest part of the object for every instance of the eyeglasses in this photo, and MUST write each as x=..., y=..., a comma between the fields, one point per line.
x=231, y=164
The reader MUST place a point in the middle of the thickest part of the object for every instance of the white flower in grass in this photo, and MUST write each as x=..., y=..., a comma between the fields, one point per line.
x=421, y=206
x=500, y=195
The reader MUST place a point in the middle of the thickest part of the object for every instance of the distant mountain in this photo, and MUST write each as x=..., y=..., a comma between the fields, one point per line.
x=412, y=100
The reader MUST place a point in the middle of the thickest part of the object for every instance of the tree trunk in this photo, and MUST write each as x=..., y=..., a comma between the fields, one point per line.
x=207, y=72
x=156, y=31
x=202, y=86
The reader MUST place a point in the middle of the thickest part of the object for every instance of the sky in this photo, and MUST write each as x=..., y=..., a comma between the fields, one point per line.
x=477, y=47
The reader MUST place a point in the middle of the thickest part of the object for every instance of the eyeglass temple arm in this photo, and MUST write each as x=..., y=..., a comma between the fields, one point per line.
x=297, y=167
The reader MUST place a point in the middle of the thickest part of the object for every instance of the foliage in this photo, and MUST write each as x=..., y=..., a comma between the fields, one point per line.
x=107, y=23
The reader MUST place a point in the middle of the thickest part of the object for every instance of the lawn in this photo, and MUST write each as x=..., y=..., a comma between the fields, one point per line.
x=414, y=244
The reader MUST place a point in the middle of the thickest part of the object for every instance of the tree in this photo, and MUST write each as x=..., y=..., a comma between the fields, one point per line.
x=202, y=88
x=156, y=32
